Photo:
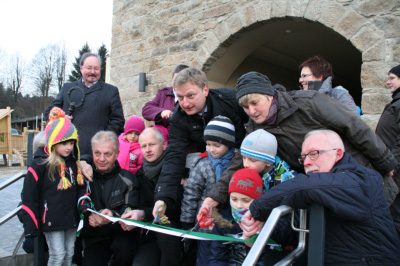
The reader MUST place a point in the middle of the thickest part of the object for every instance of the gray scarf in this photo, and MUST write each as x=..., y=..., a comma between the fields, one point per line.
x=153, y=169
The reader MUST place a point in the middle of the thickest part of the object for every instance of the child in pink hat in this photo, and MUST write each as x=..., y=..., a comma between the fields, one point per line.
x=130, y=155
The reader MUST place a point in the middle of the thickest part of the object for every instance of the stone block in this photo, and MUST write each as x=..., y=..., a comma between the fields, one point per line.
x=249, y=16
x=212, y=43
x=296, y=8
x=392, y=48
x=222, y=31
x=370, y=8
x=366, y=37
x=371, y=120
x=279, y=8
x=315, y=8
x=235, y=23
x=375, y=52
x=374, y=74
x=215, y=12
x=174, y=60
x=350, y=24
x=374, y=103
x=263, y=10
x=390, y=25
x=332, y=14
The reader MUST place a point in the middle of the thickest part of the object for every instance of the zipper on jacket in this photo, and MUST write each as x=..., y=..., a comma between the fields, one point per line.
x=45, y=211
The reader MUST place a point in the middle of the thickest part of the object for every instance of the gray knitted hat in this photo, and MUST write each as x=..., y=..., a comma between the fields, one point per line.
x=253, y=82
x=220, y=129
x=260, y=145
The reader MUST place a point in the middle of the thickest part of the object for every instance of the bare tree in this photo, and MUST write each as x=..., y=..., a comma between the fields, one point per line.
x=61, y=63
x=43, y=68
x=15, y=76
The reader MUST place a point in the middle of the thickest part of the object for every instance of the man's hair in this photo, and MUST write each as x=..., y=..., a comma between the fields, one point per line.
x=246, y=98
x=193, y=75
x=318, y=66
x=156, y=131
x=179, y=68
x=86, y=55
x=333, y=138
x=106, y=136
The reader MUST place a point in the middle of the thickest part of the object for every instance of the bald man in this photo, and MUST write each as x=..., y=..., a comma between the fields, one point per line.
x=359, y=228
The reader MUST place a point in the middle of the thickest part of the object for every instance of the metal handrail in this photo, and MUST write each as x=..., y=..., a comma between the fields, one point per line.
x=14, y=212
x=13, y=179
x=266, y=231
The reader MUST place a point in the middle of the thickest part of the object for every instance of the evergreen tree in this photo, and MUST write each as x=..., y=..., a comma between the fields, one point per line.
x=102, y=52
x=76, y=72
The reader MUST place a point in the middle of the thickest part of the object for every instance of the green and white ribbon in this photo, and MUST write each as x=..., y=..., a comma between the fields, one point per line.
x=176, y=232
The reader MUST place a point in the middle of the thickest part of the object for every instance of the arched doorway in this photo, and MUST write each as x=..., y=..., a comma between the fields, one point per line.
x=277, y=47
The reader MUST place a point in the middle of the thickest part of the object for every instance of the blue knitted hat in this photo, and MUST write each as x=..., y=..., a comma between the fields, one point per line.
x=260, y=145
x=220, y=129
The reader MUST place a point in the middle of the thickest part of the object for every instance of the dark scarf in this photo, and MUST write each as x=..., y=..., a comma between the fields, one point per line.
x=153, y=169
x=273, y=112
x=395, y=93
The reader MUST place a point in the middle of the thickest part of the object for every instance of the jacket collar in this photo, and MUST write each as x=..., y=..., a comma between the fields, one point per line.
x=108, y=175
x=98, y=86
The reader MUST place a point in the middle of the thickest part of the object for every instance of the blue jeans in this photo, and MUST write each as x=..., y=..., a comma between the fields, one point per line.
x=61, y=247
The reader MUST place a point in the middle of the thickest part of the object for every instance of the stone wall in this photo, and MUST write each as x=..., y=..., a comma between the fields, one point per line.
x=154, y=36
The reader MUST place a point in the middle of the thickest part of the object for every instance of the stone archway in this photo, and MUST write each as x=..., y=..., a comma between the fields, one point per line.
x=278, y=46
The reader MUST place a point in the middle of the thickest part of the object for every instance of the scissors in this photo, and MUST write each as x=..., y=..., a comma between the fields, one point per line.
x=157, y=220
x=198, y=225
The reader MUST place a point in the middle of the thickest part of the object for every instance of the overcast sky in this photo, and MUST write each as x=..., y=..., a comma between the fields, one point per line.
x=29, y=25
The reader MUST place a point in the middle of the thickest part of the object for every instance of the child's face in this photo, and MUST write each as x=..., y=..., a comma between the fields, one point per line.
x=240, y=201
x=132, y=136
x=256, y=165
x=217, y=150
x=64, y=148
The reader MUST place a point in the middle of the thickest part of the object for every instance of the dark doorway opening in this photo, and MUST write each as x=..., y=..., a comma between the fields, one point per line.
x=277, y=47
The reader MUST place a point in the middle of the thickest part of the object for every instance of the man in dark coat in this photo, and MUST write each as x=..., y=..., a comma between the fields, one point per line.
x=359, y=228
x=197, y=106
x=388, y=129
x=113, y=192
x=153, y=147
x=100, y=108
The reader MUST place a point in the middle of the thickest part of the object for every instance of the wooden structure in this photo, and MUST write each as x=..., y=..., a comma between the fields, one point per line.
x=11, y=144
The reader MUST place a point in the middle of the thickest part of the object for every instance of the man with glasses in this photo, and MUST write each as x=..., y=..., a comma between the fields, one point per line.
x=359, y=228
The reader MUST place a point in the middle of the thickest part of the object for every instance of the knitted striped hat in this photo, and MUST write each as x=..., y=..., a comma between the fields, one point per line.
x=220, y=129
x=260, y=145
x=60, y=129
x=247, y=182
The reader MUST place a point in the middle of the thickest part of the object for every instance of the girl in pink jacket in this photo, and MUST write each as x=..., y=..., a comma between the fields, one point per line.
x=130, y=155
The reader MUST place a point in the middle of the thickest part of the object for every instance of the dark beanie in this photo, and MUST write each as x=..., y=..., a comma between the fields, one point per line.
x=396, y=70
x=253, y=82
x=220, y=129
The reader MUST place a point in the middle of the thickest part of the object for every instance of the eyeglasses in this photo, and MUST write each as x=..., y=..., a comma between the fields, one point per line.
x=302, y=76
x=313, y=155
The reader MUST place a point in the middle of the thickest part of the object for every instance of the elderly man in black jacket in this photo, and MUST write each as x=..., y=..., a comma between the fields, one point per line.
x=113, y=191
x=197, y=106
x=359, y=228
x=97, y=104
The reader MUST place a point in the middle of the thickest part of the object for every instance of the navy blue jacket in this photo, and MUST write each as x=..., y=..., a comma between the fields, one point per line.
x=359, y=228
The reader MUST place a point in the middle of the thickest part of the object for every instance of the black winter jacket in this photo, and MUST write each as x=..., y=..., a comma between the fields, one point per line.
x=359, y=227
x=388, y=128
x=101, y=110
x=44, y=208
x=146, y=202
x=302, y=112
x=116, y=191
x=189, y=129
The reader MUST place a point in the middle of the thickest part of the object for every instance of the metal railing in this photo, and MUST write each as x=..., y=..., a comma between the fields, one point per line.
x=316, y=237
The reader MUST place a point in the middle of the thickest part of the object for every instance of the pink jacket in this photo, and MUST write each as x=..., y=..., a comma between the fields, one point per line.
x=125, y=148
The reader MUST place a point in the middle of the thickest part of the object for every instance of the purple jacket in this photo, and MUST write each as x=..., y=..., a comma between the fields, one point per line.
x=164, y=100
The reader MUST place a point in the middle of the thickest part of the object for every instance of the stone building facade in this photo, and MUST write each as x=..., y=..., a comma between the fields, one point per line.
x=227, y=38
